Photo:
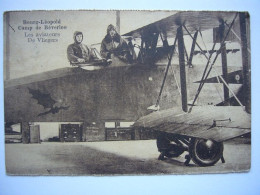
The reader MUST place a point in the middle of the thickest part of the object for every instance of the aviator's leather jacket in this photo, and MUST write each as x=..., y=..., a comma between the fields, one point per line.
x=116, y=45
x=78, y=50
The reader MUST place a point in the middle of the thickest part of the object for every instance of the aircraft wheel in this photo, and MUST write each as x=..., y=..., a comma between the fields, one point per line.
x=169, y=148
x=205, y=152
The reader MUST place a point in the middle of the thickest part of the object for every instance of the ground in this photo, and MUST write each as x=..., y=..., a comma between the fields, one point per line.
x=114, y=158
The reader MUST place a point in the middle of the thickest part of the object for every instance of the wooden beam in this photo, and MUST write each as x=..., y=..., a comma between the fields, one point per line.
x=182, y=69
x=166, y=71
x=245, y=61
x=192, y=48
x=224, y=61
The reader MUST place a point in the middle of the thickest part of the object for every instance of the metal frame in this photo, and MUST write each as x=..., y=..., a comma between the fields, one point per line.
x=192, y=49
x=207, y=71
x=182, y=69
x=245, y=62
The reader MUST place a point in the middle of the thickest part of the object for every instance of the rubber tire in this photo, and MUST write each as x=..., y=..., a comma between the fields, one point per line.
x=169, y=149
x=198, y=158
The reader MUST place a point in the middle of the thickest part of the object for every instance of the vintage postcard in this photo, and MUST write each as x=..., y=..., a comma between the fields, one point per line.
x=127, y=92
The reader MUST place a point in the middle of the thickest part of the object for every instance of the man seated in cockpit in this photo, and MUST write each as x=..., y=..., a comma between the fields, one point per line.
x=78, y=52
x=113, y=43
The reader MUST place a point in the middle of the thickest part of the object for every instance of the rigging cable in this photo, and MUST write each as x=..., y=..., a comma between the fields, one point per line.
x=211, y=66
x=172, y=69
x=216, y=86
x=237, y=37
x=225, y=83
x=166, y=72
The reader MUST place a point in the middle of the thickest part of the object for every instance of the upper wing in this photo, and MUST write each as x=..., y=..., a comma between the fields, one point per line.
x=209, y=122
x=193, y=20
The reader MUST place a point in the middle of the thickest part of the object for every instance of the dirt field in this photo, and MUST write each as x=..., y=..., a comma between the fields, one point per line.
x=113, y=158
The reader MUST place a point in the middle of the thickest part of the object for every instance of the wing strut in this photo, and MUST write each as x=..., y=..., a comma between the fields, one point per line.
x=193, y=38
x=181, y=49
x=207, y=65
x=166, y=72
x=214, y=71
x=237, y=36
x=245, y=62
x=165, y=44
x=226, y=85
x=205, y=75
x=224, y=62
x=192, y=48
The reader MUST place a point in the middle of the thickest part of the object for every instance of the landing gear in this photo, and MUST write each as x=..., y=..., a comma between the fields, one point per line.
x=206, y=152
x=169, y=146
x=203, y=152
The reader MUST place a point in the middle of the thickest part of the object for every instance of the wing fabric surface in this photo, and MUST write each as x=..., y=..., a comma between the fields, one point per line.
x=209, y=122
x=192, y=20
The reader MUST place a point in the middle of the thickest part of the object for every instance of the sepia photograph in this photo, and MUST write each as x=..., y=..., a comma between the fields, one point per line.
x=120, y=92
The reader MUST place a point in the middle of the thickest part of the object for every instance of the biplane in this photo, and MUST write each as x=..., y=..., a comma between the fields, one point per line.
x=177, y=101
x=200, y=130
